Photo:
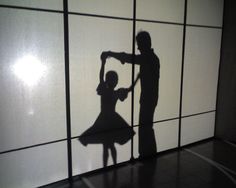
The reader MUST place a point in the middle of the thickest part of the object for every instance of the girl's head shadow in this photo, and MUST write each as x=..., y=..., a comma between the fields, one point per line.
x=111, y=79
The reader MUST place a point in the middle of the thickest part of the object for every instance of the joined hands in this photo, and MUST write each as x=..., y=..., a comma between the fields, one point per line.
x=104, y=56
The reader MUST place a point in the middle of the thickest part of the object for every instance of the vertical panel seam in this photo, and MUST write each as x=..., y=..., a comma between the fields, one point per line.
x=133, y=72
x=182, y=74
x=67, y=87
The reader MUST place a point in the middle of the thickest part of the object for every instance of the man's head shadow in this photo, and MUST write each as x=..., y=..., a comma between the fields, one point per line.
x=143, y=40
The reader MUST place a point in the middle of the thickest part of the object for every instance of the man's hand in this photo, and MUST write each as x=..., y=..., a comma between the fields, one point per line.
x=104, y=56
x=120, y=56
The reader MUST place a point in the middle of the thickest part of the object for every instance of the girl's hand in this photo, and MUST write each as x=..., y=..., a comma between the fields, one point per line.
x=123, y=93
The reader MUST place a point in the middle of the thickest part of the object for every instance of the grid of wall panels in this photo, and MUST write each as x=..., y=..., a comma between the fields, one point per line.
x=44, y=4
x=32, y=78
x=197, y=128
x=38, y=129
x=202, y=56
x=161, y=10
x=201, y=64
x=121, y=8
x=167, y=44
x=166, y=135
x=34, y=167
x=90, y=158
x=85, y=65
x=205, y=12
x=32, y=112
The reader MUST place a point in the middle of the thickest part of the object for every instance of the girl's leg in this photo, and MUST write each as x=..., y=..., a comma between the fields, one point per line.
x=113, y=153
x=105, y=155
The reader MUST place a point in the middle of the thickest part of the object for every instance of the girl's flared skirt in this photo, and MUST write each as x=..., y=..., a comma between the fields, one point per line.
x=109, y=128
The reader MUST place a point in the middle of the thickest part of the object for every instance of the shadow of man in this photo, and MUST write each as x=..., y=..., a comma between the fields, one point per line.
x=149, y=66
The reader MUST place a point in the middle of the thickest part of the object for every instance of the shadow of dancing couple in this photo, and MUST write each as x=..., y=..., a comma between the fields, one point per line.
x=110, y=128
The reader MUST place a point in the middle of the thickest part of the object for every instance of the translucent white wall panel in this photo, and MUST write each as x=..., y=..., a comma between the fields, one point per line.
x=88, y=38
x=202, y=56
x=161, y=10
x=52, y=4
x=197, y=128
x=34, y=167
x=31, y=78
x=167, y=44
x=166, y=134
x=90, y=157
x=205, y=12
x=121, y=8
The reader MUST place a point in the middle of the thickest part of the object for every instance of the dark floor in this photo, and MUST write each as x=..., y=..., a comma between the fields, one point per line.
x=209, y=164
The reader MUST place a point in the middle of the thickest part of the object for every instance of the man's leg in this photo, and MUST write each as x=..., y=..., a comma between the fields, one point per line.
x=147, y=141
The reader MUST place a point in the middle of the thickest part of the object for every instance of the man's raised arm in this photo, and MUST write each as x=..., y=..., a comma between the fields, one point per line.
x=121, y=56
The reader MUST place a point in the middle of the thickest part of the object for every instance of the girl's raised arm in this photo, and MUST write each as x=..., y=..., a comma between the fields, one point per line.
x=101, y=75
x=100, y=87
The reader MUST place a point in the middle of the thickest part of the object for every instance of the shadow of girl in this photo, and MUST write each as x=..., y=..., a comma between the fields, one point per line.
x=109, y=127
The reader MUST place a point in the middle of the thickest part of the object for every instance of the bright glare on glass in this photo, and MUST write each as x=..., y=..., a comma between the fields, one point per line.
x=29, y=69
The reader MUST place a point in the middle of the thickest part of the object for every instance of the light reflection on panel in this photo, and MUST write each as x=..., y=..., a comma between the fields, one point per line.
x=52, y=4
x=88, y=38
x=121, y=8
x=34, y=167
x=31, y=78
x=166, y=136
x=197, y=128
x=202, y=58
x=91, y=156
x=167, y=44
x=161, y=10
x=205, y=12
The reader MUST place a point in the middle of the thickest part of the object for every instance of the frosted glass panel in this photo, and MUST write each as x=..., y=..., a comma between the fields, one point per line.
x=167, y=44
x=121, y=8
x=205, y=12
x=31, y=78
x=166, y=134
x=88, y=38
x=52, y=4
x=161, y=10
x=197, y=128
x=90, y=157
x=202, y=58
x=34, y=167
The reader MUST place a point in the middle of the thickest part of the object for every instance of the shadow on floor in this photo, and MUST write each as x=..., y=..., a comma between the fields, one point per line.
x=173, y=169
